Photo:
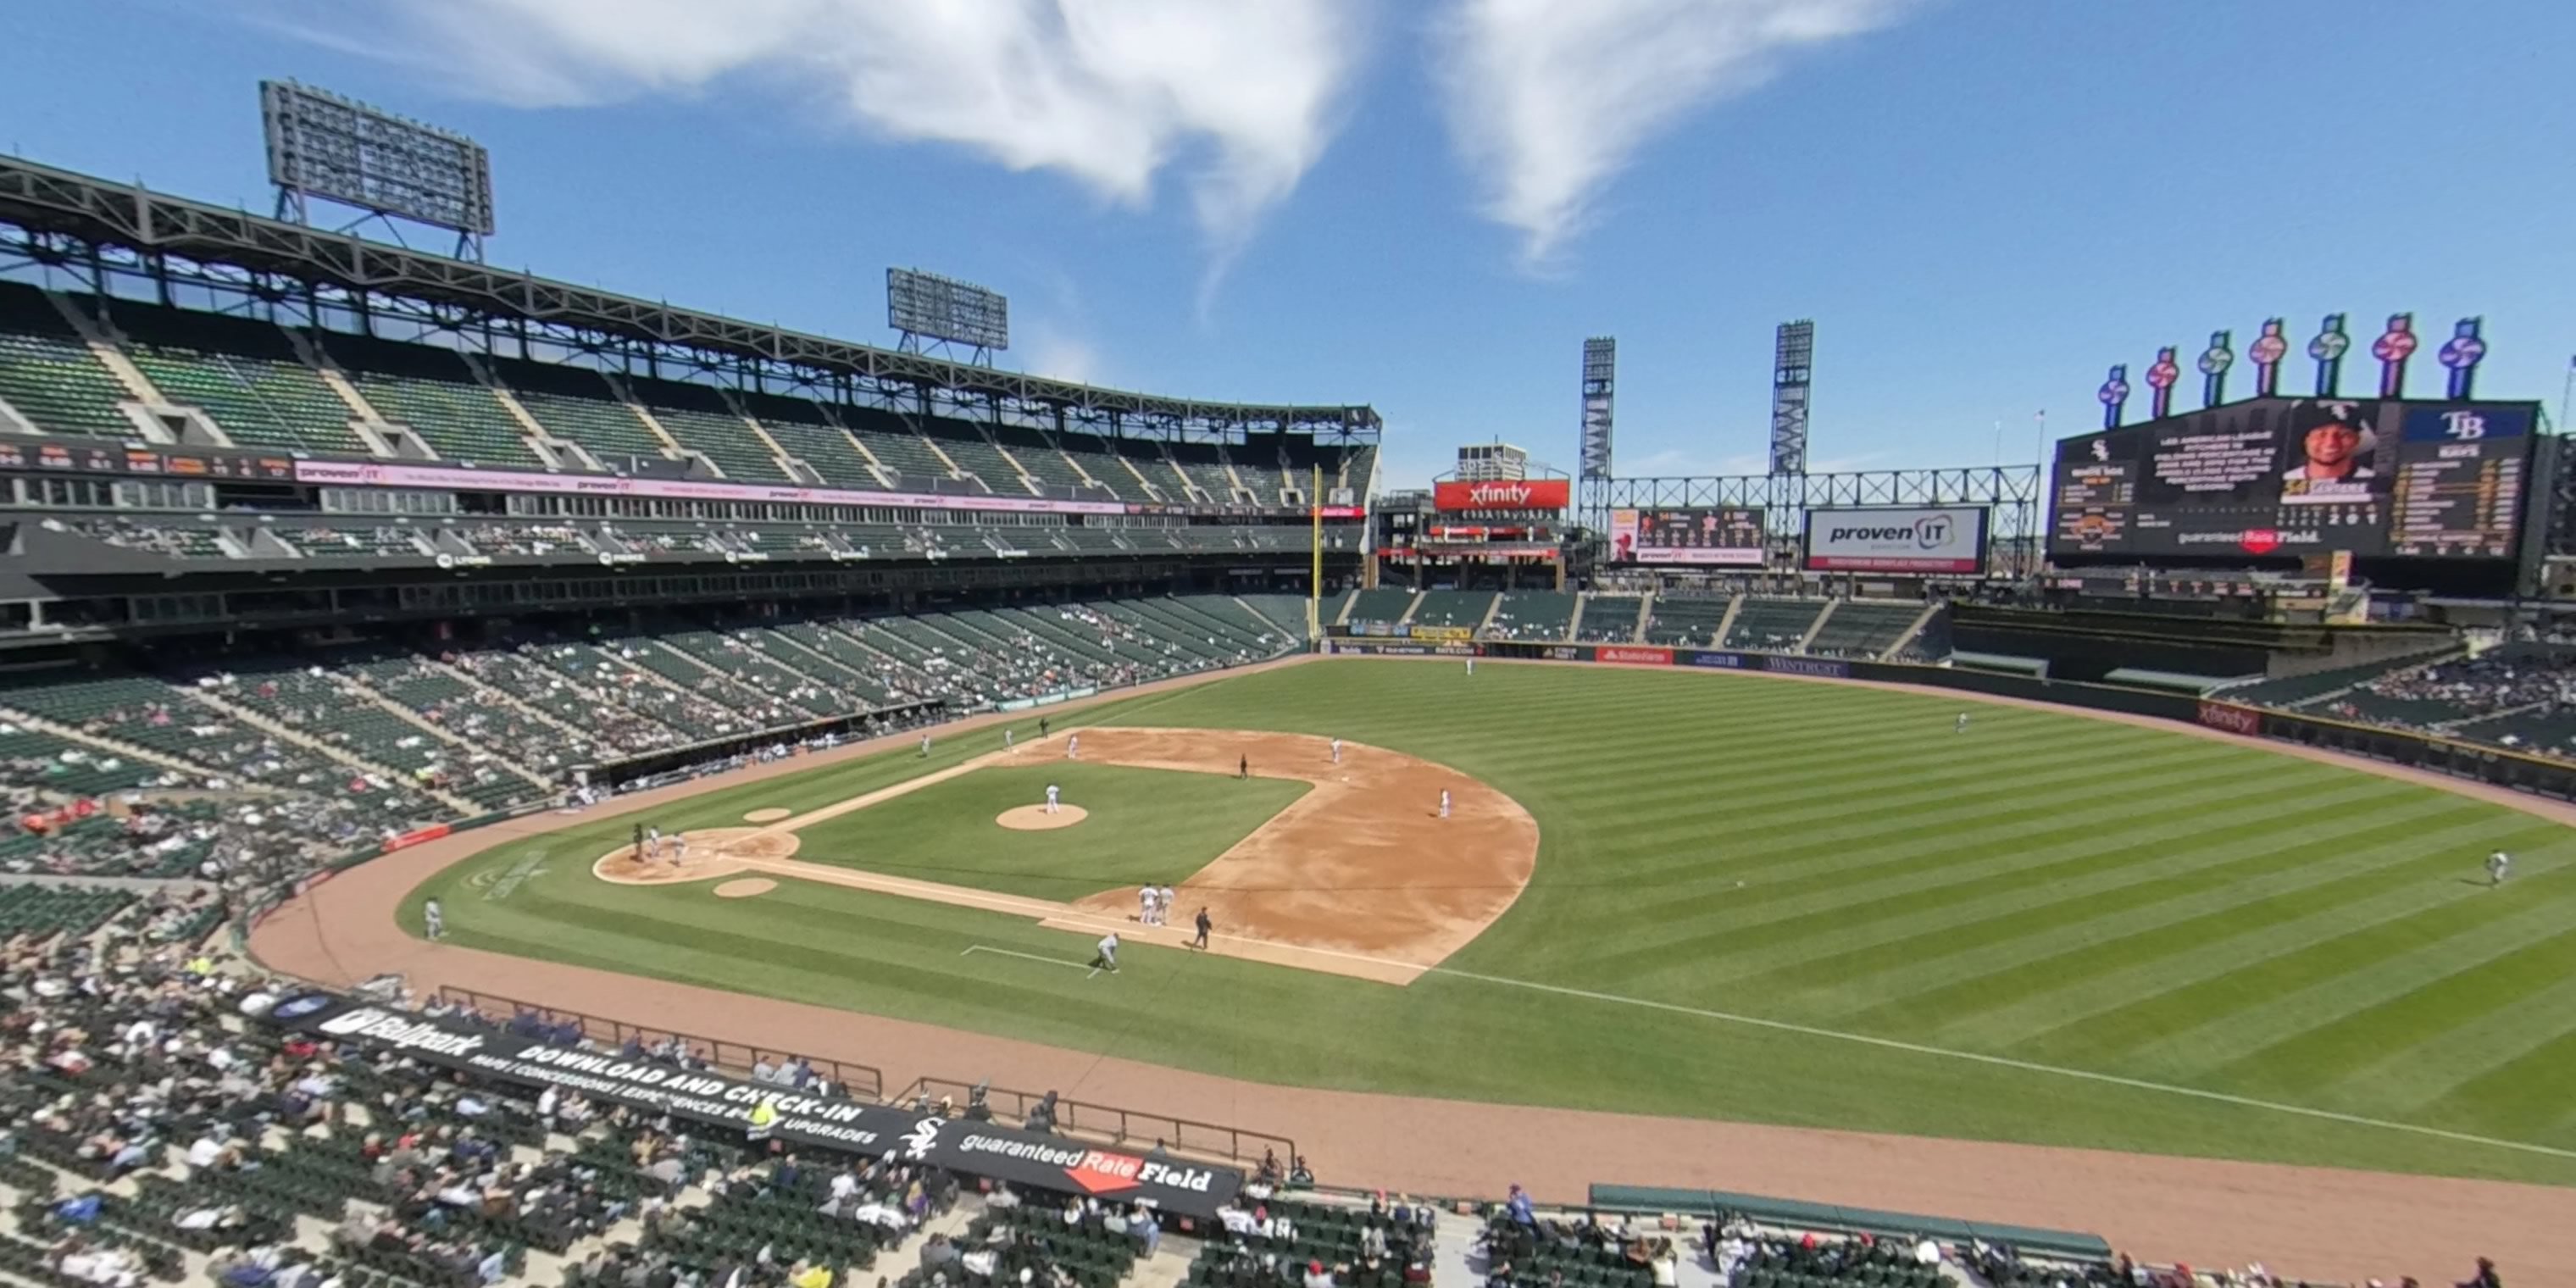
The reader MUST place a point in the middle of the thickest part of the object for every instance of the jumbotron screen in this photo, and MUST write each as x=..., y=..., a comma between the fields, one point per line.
x=1726, y=536
x=2299, y=476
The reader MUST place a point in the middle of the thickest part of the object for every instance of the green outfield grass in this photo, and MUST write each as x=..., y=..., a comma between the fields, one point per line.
x=1144, y=825
x=1768, y=900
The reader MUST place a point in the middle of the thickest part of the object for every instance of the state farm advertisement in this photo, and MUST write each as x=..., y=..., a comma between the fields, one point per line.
x=1949, y=538
x=1527, y=494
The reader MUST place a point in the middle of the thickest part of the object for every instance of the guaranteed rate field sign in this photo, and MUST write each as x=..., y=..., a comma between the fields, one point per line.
x=1945, y=539
x=1035, y=1159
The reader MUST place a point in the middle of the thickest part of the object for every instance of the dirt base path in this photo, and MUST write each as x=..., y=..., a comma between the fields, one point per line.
x=2321, y=1223
x=1362, y=876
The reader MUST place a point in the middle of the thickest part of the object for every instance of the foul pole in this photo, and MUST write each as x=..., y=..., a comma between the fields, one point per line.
x=1315, y=539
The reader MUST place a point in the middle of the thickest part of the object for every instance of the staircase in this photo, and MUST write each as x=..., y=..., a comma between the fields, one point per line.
x=1818, y=625
x=511, y=700
x=1921, y=620
x=358, y=688
x=1645, y=613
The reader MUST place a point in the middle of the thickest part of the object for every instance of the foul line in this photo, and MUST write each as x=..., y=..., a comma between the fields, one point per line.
x=1027, y=957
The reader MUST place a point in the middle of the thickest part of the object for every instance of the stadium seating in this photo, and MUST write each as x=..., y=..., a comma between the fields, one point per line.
x=434, y=393
x=2297, y=690
x=244, y=374
x=1608, y=619
x=583, y=407
x=1534, y=615
x=49, y=373
x=1772, y=625
x=1285, y=612
x=1382, y=605
x=1685, y=619
x=1463, y=609
x=1864, y=628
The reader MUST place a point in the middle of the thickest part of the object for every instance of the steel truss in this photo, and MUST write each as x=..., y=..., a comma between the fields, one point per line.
x=2013, y=491
x=113, y=237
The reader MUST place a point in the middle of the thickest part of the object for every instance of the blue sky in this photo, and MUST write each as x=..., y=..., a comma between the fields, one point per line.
x=1427, y=205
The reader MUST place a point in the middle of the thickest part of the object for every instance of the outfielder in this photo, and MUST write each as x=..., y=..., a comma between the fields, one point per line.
x=1444, y=802
x=2499, y=866
x=433, y=920
x=1108, y=958
x=1471, y=666
x=925, y=743
x=1337, y=751
x=1052, y=807
x=1962, y=726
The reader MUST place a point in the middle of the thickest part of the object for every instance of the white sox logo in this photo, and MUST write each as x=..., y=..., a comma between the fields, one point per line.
x=924, y=1134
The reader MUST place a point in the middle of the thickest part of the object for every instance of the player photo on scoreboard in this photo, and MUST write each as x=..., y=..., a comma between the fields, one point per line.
x=2333, y=451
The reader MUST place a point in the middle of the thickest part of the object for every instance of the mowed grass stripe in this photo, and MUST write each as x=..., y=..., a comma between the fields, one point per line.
x=2040, y=969
x=2426, y=1081
x=2167, y=1032
x=2061, y=867
x=2137, y=886
x=1933, y=884
x=2081, y=874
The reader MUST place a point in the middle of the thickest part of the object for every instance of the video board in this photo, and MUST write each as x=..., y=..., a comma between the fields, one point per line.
x=1729, y=536
x=2299, y=476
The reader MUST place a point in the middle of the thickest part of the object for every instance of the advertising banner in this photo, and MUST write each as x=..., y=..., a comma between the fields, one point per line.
x=1690, y=536
x=1647, y=656
x=1724, y=661
x=1827, y=667
x=1443, y=634
x=1036, y=1159
x=1527, y=494
x=2232, y=719
x=1944, y=539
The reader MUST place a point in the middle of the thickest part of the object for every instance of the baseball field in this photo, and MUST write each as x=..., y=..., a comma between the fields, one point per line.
x=1660, y=892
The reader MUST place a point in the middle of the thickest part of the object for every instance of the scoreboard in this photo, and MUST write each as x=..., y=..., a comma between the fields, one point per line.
x=2300, y=476
x=1725, y=536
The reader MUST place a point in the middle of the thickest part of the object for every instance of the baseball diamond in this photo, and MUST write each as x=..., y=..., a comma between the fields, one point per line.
x=1839, y=914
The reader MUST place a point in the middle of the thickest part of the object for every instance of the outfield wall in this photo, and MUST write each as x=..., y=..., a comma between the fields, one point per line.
x=2396, y=746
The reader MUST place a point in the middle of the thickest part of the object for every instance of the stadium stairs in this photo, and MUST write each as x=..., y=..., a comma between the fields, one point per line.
x=245, y=714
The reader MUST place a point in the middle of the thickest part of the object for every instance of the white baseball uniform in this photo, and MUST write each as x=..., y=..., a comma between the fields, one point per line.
x=1444, y=802
x=1052, y=807
x=1163, y=906
x=2499, y=866
x=1145, y=905
x=1337, y=751
x=1072, y=745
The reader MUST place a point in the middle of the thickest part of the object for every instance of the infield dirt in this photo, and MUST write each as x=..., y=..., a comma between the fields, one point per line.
x=2308, y=1221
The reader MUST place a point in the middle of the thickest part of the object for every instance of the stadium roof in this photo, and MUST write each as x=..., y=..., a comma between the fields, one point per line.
x=44, y=200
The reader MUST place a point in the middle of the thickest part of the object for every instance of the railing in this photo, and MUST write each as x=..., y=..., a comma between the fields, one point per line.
x=858, y=1081
x=1108, y=1123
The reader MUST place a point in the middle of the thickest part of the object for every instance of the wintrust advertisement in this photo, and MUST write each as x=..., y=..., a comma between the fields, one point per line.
x=1944, y=539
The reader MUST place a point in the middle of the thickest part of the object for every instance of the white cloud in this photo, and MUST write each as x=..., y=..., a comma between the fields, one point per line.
x=1548, y=99
x=1062, y=354
x=1243, y=95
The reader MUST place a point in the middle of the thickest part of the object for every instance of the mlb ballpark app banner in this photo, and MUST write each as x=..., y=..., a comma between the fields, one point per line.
x=1035, y=1159
x=1727, y=536
x=1526, y=494
x=1950, y=538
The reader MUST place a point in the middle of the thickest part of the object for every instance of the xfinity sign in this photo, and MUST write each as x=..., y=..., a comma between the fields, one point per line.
x=1920, y=539
x=1453, y=495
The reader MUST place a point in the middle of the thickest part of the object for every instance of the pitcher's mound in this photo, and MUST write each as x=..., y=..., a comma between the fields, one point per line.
x=1034, y=818
x=745, y=888
x=771, y=815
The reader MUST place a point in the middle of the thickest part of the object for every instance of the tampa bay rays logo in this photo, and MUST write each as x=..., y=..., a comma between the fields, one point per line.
x=924, y=1134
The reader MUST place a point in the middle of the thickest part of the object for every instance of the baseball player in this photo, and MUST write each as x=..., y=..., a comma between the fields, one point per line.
x=1052, y=807
x=679, y=847
x=1163, y=906
x=1471, y=666
x=434, y=921
x=925, y=744
x=1042, y=728
x=653, y=841
x=1072, y=746
x=1337, y=751
x=1204, y=925
x=1962, y=726
x=1145, y=909
x=1444, y=802
x=1108, y=958
x=1006, y=738
x=1243, y=767
x=2499, y=866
